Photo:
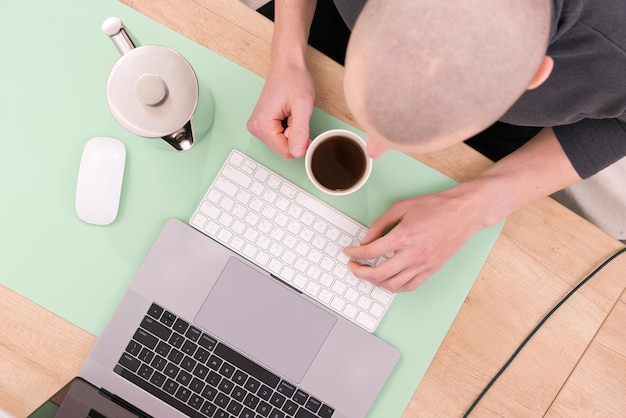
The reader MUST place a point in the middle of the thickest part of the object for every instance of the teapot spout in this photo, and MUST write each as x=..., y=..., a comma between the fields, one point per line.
x=114, y=28
x=182, y=139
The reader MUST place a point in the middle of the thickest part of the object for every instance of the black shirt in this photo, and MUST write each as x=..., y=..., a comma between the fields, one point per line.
x=584, y=99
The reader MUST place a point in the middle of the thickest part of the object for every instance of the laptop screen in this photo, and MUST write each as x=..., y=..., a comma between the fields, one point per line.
x=79, y=399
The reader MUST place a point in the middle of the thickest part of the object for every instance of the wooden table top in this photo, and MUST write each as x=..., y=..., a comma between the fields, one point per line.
x=575, y=366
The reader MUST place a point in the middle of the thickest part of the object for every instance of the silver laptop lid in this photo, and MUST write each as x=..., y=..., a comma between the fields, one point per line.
x=225, y=296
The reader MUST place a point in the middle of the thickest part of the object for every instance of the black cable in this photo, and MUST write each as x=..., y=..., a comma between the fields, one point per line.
x=534, y=331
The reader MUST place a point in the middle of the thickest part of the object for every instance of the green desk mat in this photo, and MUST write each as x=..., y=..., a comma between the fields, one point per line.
x=53, y=74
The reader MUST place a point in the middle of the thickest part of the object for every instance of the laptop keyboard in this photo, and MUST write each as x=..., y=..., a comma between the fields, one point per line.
x=292, y=234
x=202, y=377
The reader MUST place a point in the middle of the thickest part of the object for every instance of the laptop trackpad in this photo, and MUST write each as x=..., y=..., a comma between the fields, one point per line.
x=265, y=320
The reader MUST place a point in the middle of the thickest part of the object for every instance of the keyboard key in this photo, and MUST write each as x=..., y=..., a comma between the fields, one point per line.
x=155, y=311
x=263, y=408
x=201, y=371
x=240, y=377
x=377, y=310
x=188, y=364
x=208, y=409
x=350, y=311
x=261, y=174
x=239, y=394
x=158, y=379
x=177, y=340
x=130, y=362
x=251, y=401
x=247, y=413
x=207, y=342
x=227, y=370
x=201, y=355
x=195, y=401
x=145, y=338
x=290, y=407
x=175, y=356
x=210, y=210
x=303, y=413
x=274, y=182
x=189, y=347
x=364, y=302
x=209, y=392
x=277, y=400
x=159, y=363
x=237, y=176
x=221, y=400
x=300, y=397
x=264, y=393
x=213, y=379
x=171, y=387
x=133, y=348
x=234, y=408
x=288, y=190
x=368, y=321
x=226, y=386
x=171, y=370
x=313, y=404
x=276, y=414
x=145, y=355
x=196, y=385
x=237, y=387
x=214, y=362
x=168, y=318
x=247, y=365
x=163, y=348
x=381, y=295
x=252, y=384
x=221, y=414
x=193, y=334
x=183, y=394
x=180, y=325
x=286, y=389
x=226, y=186
x=235, y=159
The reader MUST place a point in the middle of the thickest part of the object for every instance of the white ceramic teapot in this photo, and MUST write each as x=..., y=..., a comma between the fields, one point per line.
x=152, y=90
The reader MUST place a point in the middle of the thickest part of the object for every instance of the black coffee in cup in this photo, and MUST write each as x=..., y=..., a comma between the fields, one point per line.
x=338, y=163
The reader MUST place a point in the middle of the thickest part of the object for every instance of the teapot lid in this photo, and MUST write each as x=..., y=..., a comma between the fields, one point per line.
x=152, y=91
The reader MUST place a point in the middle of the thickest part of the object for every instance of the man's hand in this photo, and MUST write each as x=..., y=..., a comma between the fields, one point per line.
x=428, y=231
x=431, y=228
x=288, y=94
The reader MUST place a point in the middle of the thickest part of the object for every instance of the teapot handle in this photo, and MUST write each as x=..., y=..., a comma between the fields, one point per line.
x=114, y=28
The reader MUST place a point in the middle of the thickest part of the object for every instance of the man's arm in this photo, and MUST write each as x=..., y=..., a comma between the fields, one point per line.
x=289, y=92
x=431, y=228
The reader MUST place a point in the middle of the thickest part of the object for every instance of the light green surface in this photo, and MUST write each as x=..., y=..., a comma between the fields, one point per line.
x=54, y=68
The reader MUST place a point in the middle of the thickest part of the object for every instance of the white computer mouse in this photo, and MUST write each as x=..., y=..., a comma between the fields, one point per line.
x=99, y=184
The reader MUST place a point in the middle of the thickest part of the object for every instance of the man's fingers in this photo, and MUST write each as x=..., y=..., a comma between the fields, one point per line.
x=298, y=128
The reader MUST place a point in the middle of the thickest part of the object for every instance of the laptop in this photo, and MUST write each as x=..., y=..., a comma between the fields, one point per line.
x=202, y=332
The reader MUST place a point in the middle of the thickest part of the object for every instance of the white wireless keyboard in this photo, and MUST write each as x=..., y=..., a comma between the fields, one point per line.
x=292, y=234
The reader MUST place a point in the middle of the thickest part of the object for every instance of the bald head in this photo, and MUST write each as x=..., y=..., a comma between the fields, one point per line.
x=427, y=69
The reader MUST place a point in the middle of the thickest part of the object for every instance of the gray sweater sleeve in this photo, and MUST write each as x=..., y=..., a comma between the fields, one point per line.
x=593, y=144
x=584, y=99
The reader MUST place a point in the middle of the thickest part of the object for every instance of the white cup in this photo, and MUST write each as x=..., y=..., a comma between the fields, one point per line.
x=336, y=162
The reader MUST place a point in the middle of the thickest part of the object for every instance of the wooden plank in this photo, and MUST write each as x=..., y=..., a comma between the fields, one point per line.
x=39, y=353
x=597, y=387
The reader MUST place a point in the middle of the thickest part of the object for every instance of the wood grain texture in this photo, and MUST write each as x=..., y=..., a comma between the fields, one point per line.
x=39, y=353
